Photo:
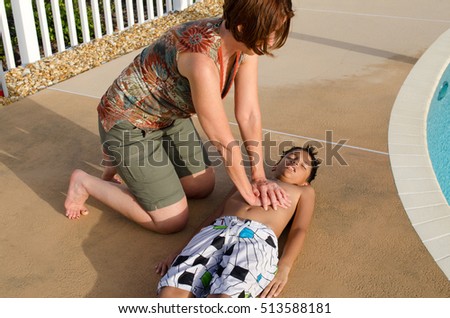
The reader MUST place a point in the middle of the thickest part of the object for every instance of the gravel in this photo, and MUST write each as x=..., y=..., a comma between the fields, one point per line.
x=26, y=80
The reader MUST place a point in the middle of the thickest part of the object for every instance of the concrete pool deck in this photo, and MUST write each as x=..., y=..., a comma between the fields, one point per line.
x=340, y=71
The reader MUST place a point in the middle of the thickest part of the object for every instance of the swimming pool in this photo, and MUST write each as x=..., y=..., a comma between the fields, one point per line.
x=419, y=149
x=438, y=133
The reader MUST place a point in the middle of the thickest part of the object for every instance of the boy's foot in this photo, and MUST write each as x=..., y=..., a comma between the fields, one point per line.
x=76, y=196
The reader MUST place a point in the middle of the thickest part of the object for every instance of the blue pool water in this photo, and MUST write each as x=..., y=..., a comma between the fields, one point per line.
x=438, y=133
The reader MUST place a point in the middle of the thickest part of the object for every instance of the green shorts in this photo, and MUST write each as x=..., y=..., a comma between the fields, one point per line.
x=151, y=163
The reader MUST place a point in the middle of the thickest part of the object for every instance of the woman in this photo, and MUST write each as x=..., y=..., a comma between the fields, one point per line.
x=144, y=123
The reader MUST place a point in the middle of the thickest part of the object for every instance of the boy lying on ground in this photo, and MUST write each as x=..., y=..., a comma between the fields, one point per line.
x=237, y=255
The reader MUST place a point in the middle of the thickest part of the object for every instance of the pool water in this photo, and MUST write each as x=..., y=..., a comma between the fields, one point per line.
x=438, y=133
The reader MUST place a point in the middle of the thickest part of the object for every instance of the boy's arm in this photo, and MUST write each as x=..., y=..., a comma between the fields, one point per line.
x=294, y=243
x=162, y=267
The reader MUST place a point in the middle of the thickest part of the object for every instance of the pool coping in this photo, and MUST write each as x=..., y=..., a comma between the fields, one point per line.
x=411, y=166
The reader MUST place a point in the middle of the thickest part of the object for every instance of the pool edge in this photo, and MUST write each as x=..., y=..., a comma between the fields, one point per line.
x=414, y=177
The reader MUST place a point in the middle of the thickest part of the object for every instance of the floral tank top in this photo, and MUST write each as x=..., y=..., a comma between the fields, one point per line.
x=151, y=93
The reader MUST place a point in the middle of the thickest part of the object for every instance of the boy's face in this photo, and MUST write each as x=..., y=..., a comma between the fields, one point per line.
x=294, y=168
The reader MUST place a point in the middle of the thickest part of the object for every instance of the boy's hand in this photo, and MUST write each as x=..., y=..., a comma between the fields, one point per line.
x=270, y=193
x=276, y=285
x=163, y=266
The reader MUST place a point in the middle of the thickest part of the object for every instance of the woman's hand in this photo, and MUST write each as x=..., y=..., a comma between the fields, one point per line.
x=270, y=193
x=276, y=285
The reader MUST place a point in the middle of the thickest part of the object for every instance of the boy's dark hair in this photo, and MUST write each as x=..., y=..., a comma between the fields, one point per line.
x=258, y=19
x=312, y=153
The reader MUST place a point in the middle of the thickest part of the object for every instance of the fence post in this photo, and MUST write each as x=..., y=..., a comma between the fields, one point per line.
x=150, y=10
x=179, y=5
x=71, y=23
x=44, y=28
x=6, y=38
x=140, y=11
x=108, y=18
x=84, y=21
x=96, y=19
x=159, y=8
x=119, y=15
x=58, y=25
x=3, y=81
x=26, y=31
x=130, y=13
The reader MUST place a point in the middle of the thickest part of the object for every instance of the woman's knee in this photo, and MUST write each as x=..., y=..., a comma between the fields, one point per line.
x=170, y=219
x=199, y=185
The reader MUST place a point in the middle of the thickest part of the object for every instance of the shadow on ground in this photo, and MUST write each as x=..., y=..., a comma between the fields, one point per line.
x=41, y=148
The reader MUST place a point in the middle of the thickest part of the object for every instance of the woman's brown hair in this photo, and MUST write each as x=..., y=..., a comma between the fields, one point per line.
x=253, y=21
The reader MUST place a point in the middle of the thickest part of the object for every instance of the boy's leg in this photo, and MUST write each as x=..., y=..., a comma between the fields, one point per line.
x=218, y=296
x=173, y=292
x=193, y=269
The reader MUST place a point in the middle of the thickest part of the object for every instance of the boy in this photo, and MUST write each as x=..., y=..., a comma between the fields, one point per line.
x=237, y=256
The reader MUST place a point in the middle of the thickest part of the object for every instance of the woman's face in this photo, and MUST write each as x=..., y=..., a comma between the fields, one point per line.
x=271, y=39
x=270, y=42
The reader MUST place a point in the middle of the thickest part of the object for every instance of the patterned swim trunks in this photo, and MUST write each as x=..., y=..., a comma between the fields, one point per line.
x=233, y=257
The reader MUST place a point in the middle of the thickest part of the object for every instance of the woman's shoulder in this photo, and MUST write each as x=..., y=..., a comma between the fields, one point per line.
x=200, y=36
x=210, y=23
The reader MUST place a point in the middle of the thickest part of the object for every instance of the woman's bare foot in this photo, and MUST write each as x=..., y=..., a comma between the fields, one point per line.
x=76, y=196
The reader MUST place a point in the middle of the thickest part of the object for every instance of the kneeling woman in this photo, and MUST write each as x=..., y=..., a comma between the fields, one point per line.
x=144, y=118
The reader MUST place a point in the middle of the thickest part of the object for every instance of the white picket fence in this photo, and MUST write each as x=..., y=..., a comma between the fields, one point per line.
x=25, y=26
